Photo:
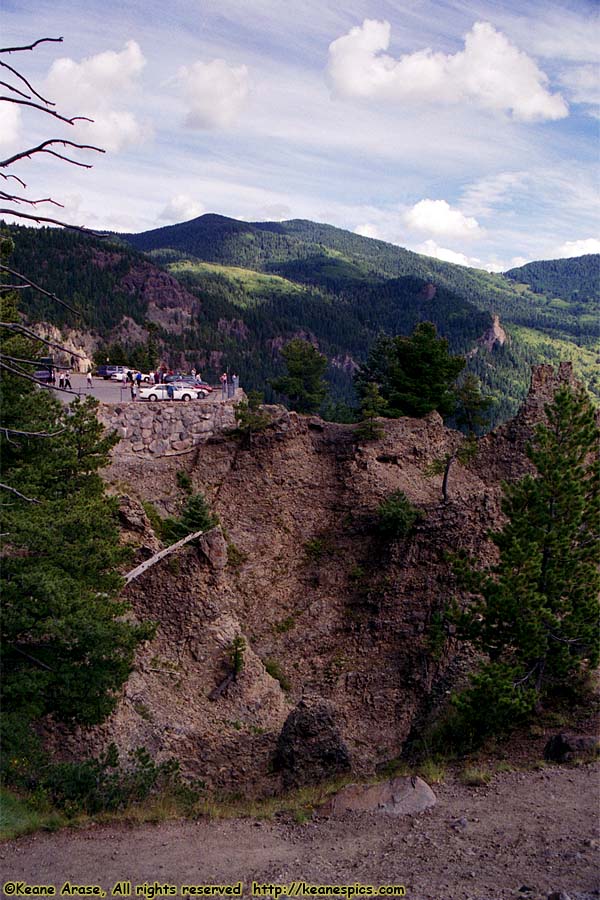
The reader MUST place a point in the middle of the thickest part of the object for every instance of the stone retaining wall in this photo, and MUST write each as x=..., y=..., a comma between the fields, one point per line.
x=166, y=429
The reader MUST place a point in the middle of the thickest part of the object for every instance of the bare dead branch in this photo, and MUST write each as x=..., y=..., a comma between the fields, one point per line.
x=36, y=287
x=22, y=215
x=17, y=74
x=49, y=112
x=21, y=329
x=38, y=662
x=7, y=487
x=8, y=431
x=42, y=148
x=20, y=359
x=22, y=374
x=11, y=87
x=45, y=40
x=6, y=177
x=13, y=198
x=14, y=287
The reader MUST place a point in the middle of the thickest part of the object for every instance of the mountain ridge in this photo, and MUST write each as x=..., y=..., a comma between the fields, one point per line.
x=251, y=287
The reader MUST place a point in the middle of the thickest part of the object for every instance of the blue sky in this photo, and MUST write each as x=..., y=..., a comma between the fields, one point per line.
x=463, y=129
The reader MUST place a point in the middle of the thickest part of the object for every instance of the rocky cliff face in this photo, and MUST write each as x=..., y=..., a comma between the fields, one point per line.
x=330, y=614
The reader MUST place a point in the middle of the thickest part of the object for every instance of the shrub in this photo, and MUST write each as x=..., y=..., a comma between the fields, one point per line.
x=275, y=671
x=236, y=655
x=184, y=481
x=196, y=516
x=104, y=785
x=396, y=516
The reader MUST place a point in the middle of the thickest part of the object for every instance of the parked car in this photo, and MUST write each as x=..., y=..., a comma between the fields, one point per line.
x=105, y=371
x=44, y=375
x=180, y=392
x=188, y=379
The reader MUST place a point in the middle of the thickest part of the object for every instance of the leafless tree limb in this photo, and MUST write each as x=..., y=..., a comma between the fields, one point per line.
x=19, y=359
x=7, y=487
x=27, y=332
x=15, y=90
x=49, y=112
x=44, y=40
x=13, y=431
x=14, y=177
x=22, y=374
x=42, y=148
x=14, y=198
x=36, y=287
x=22, y=78
x=22, y=215
x=33, y=659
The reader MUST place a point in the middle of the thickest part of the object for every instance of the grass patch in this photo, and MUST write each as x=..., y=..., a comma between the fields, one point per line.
x=255, y=285
x=18, y=816
x=432, y=771
x=474, y=777
x=284, y=625
x=276, y=672
x=235, y=556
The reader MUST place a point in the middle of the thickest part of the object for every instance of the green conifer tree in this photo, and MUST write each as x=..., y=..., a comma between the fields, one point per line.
x=303, y=385
x=535, y=615
x=415, y=374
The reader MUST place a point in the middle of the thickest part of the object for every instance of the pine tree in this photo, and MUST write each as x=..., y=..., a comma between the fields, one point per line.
x=303, y=385
x=415, y=374
x=536, y=612
x=66, y=646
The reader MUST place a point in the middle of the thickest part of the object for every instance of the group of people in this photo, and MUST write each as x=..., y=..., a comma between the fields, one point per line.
x=229, y=385
x=62, y=380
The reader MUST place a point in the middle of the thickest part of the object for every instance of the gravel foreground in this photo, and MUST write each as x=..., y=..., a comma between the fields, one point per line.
x=524, y=835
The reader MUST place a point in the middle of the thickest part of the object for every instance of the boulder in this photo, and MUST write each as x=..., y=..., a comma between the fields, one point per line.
x=404, y=796
x=212, y=545
x=310, y=747
x=563, y=747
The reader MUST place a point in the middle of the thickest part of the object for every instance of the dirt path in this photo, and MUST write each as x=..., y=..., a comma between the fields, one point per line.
x=522, y=836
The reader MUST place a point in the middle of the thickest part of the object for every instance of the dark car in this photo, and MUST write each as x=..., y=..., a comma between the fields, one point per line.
x=44, y=375
x=106, y=372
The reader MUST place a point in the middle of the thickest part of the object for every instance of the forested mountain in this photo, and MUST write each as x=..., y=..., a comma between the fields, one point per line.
x=576, y=279
x=223, y=293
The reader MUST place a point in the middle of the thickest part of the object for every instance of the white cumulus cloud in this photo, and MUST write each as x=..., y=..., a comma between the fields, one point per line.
x=97, y=87
x=577, y=248
x=439, y=218
x=181, y=208
x=490, y=71
x=10, y=125
x=431, y=248
x=215, y=93
x=367, y=230
x=583, y=84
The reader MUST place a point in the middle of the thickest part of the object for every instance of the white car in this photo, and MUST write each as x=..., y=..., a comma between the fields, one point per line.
x=121, y=374
x=180, y=392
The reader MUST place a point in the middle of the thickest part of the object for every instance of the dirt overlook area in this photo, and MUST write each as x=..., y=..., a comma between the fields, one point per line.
x=336, y=622
x=525, y=835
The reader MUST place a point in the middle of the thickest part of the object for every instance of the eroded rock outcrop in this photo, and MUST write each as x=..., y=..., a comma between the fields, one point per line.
x=325, y=607
x=310, y=747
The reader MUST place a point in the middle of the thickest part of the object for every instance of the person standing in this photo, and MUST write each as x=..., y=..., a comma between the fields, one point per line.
x=170, y=391
x=223, y=380
x=236, y=383
x=138, y=378
x=90, y=382
x=132, y=389
x=67, y=383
